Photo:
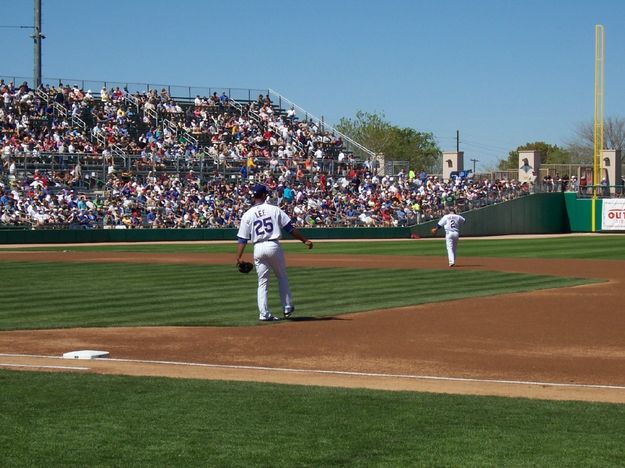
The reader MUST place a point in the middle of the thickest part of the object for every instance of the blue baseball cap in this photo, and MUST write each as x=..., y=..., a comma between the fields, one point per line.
x=259, y=189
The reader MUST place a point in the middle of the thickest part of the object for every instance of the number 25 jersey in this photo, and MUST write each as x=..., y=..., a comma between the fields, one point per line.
x=263, y=222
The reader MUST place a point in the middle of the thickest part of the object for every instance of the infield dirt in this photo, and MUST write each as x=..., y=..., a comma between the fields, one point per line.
x=563, y=343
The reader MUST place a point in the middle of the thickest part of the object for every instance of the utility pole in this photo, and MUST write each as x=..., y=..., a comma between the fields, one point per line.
x=37, y=37
x=474, y=161
x=457, y=141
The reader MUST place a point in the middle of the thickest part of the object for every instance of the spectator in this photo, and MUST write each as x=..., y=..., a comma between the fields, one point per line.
x=255, y=140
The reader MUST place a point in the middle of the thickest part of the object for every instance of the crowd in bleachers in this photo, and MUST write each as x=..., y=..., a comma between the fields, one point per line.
x=164, y=201
x=157, y=129
x=308, y=170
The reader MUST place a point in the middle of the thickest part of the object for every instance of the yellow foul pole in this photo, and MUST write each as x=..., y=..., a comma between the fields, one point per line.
x=598, y=124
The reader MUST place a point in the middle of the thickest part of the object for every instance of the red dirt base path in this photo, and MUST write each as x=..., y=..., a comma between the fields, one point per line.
x=564, y=343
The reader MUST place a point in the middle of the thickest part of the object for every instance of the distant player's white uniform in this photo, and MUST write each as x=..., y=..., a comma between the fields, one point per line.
x=261, y=224
x=451, y=223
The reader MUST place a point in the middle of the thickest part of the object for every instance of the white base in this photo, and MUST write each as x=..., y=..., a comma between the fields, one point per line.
x=86, y=354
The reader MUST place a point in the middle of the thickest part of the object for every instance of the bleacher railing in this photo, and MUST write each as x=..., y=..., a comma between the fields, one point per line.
x=281, y=101
x=180, y=92
x=95, y=167
x=601, y=191
x=175, y=91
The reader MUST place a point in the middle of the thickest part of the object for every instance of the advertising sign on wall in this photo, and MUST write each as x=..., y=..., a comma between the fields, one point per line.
x=613, y=214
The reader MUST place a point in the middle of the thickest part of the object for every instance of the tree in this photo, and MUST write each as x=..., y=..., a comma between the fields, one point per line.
x=551, y=154
x=420, y=148
x=396, y=143
x=582, y=146
x=370, y=130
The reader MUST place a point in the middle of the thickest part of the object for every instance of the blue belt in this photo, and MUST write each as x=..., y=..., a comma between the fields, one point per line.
x=267, y=240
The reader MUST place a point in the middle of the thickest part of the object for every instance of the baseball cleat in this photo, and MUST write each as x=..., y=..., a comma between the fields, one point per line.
x=268, y=318
x=288, y=311
x=451, y=264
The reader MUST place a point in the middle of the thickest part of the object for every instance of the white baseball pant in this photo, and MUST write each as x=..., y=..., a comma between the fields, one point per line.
x=451, y=239
x=268, y=257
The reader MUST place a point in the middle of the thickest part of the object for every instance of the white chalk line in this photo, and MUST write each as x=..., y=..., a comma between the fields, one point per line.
x=340, y=373
x=43, y=367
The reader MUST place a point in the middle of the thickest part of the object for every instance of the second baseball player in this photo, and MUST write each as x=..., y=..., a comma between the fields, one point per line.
x=451, y=223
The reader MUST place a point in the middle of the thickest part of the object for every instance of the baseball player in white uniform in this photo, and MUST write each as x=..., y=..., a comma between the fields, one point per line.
x=451, y=222
x=261, y=224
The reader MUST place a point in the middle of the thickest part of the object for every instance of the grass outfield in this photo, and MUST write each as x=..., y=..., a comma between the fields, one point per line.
x=90, y=420
x=59, y=295
x=596, y=247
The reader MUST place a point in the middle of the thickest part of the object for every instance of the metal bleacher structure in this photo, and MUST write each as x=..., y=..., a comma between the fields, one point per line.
x=95, y=167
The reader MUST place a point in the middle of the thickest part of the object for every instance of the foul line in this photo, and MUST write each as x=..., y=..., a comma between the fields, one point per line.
x=44, y=367
x=330, y=372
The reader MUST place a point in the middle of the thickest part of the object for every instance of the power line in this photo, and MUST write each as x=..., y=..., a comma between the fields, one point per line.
x=474, y=161
x=485, y=145
x=482, y=150
x=37, y=37
x=475, y=143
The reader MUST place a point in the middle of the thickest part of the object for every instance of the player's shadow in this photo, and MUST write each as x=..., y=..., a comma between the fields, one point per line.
x=313, y=319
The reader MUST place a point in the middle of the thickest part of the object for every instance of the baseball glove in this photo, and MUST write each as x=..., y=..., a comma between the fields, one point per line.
x=245, y=267
x=434, y=231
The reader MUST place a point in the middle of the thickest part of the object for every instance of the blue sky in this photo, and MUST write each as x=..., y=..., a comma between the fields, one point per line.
x=503, y=72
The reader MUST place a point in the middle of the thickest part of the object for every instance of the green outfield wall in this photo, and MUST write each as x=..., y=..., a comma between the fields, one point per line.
x=8, y=236
x=545, y=213
x=579, y=212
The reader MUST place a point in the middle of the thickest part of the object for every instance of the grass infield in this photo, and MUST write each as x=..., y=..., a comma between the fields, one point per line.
x=90, y=420
x=58, y=295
